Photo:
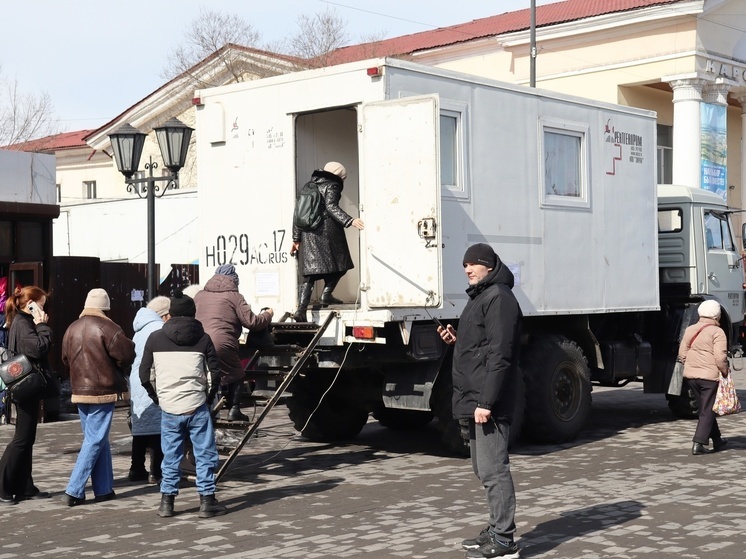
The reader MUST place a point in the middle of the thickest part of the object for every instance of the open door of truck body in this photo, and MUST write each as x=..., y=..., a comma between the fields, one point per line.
x=400, y=165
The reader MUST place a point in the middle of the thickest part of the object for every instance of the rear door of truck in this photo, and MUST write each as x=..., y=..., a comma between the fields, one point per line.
x=400, y=168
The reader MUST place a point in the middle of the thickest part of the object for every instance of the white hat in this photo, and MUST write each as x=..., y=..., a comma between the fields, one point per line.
x=97, y=299
x=709, y=309
x=160, y=305
x=336, y=169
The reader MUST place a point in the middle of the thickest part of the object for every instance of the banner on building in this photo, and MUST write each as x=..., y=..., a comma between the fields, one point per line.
x=714, y=150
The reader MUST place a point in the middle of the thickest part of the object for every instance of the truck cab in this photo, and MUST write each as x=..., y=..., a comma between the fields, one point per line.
x=697, y=254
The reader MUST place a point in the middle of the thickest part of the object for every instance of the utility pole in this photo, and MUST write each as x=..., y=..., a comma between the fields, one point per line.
x=532, y=80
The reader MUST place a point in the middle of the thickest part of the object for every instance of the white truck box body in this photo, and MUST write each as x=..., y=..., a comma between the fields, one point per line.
x=595, y=252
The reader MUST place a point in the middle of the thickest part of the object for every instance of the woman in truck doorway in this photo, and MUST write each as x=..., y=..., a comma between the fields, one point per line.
x=325, y=254
x=704, y=352
x=29, y=334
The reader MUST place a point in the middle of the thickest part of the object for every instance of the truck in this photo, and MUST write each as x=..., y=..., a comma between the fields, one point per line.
x=609, y=268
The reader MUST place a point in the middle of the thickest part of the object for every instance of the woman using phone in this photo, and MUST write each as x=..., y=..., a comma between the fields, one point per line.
x=30, y=335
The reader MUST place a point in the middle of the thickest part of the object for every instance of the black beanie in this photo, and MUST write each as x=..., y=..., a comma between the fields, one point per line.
x=480, y=254
x=182, y=305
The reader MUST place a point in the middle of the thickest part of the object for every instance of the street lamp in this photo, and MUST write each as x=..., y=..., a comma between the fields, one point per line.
x=127, y=143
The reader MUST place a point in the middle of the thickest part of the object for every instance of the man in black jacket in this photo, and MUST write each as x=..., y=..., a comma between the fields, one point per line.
x=485, y=379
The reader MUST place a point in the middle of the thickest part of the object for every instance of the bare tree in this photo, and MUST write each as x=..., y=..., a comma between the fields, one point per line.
x=212, y=34
x=318, y=36
x=24, y=116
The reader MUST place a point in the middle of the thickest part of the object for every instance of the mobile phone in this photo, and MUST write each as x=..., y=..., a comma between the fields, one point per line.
x=34, y=309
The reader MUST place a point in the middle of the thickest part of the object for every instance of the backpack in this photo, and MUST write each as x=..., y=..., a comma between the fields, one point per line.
x=309, y=208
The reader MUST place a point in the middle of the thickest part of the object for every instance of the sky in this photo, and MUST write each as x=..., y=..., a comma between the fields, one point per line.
x=96, y=59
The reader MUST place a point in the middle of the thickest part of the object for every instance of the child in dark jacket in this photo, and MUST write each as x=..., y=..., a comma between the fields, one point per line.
x=180, y=360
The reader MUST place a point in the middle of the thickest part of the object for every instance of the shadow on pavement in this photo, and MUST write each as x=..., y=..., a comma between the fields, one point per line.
x=576, y=524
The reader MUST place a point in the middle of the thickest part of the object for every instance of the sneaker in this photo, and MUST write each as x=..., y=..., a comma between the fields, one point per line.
x=495, y=547
x=479, y=541
x=71, y=501
x=105, y=497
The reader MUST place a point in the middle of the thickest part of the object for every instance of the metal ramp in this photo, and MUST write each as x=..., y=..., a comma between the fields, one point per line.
x=289, y=376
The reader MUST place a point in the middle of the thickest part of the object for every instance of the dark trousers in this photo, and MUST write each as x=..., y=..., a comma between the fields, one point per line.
x=15, y=465
x=488, y=443
x=140, y=446
x=707, y=426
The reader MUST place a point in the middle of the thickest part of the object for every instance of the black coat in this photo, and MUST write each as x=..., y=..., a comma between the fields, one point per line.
x=324, y=250
x=485, y=358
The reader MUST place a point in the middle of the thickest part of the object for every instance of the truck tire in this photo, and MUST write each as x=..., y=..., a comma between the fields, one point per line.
x=558, y=390
x=335, y=419
x=684, y=406
x=402, y=419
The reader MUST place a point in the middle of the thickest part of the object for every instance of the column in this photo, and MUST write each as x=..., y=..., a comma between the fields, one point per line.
x=687, y=95
x=740, y=202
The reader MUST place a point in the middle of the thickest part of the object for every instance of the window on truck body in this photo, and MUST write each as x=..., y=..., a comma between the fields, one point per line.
x=717, y=231
x=563, y=164
x=453, y=149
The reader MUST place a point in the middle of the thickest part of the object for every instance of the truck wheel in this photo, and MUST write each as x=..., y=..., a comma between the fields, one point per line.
x=402, y=419
x=558, y=390
x=335, y=419
x=684, y=406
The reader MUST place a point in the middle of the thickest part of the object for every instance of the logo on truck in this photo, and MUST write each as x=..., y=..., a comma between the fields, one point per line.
x=621, y=140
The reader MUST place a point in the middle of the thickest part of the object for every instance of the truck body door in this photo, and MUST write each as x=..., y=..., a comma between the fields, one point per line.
x=400, y=171
x=723, y=264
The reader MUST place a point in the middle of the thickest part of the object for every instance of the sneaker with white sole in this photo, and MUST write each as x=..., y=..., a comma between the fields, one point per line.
x=479, y=541
x=495, y=547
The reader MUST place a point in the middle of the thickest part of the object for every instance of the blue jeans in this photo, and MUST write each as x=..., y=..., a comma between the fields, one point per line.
x=94, y=459
x=175, y=429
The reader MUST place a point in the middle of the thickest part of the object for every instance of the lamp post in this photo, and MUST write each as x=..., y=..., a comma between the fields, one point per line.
x=127, y=143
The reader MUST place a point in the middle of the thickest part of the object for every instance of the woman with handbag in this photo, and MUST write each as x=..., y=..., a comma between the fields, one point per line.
x=704, y=352
x=28, y=334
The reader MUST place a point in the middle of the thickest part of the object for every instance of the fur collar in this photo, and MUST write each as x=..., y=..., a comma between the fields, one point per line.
x=94, y=312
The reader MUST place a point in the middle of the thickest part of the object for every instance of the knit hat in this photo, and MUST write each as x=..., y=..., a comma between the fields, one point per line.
x=227, y=270
x=182, y=305
x=709, y=309
x=191, y=290
x=336, y=169
x=160, y=305
x=480, y=254
x=97, y=299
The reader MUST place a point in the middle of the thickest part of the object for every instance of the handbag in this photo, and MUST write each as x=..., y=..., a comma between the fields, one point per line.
x=677, y=379
x=726, y=401
x=23, y=379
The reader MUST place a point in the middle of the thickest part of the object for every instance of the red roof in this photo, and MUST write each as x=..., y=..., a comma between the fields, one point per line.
x=550, y=14
x=48, y=144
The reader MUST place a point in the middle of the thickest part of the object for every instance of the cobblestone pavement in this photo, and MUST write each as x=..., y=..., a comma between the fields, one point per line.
x=628, y=487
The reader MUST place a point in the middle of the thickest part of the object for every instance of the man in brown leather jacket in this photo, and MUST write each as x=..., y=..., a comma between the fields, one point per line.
x=98, y=356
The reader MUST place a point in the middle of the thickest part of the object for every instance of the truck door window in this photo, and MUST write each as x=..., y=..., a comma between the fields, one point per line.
x=717, y=231
x=564, y=164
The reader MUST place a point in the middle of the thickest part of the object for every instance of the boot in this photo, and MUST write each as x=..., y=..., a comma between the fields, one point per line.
x=235, y=415
x=209, y=506
x=326, y=294
x=167, y=506
x=304, y=297
x=235, y=402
